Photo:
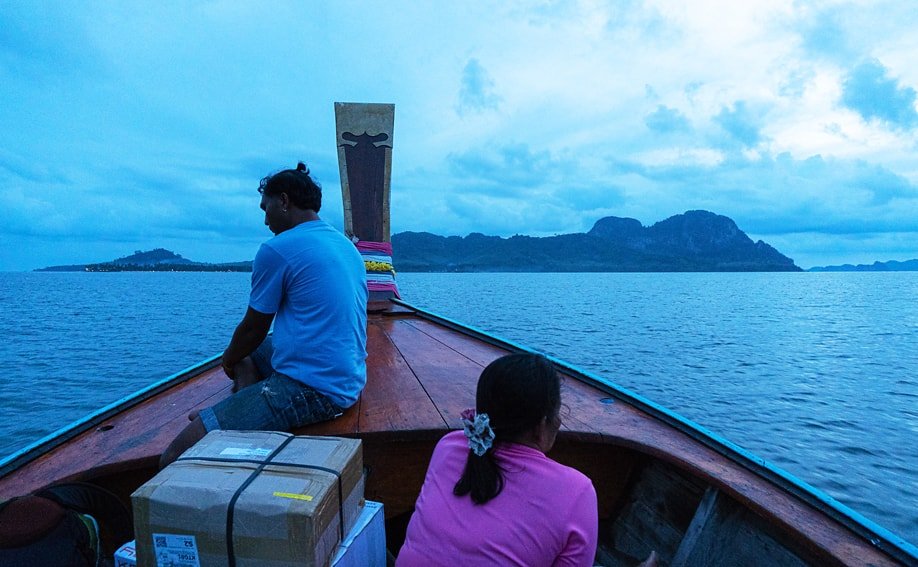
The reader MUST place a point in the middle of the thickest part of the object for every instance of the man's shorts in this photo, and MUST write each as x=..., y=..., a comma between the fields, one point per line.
x=277, y=403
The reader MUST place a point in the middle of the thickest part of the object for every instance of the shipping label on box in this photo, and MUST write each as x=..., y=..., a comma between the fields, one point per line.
x=125, y=556
x=285, y=500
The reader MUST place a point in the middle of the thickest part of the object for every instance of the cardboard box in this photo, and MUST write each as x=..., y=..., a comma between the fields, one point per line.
x=365, y=545
x=282, y=513
x=125, y=555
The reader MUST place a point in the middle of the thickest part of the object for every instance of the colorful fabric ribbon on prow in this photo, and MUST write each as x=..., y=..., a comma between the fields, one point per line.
x=377, y=257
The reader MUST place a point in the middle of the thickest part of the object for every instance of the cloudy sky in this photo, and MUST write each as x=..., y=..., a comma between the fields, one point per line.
x=134, y=125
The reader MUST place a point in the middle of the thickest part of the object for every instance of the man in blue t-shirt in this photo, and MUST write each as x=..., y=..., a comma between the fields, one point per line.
x=311, y=282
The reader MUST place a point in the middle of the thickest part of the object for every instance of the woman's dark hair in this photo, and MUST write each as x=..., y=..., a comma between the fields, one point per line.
x=517, y=392
x=302, y=189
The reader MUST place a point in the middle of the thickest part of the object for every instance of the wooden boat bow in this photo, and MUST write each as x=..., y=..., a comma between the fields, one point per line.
x=662, y=482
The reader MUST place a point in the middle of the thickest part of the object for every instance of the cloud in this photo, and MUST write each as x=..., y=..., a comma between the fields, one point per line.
x=127, y=202
x=812, y=248
x=871, y=93
x=504, y=190
x=15, y=167
x=476, y=92
x=740, y=123
x=505, y=217
x=511, y=169
x=154, y=126
x=824, y=33
x=884, y=185
x=691, y=89
x=783, y=195
x=666, y=120
x=40, y=38
x=640, y=19
x=842, y=32
x=795, y=83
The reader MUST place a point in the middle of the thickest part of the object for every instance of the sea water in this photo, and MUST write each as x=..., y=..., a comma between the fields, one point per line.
x=815, y=372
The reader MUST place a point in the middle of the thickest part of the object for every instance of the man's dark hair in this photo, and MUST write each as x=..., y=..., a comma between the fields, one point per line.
x=517, y=392
x=303, y=190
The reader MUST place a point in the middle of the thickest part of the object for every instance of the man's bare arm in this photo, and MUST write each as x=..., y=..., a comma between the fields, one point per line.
x=250, y=333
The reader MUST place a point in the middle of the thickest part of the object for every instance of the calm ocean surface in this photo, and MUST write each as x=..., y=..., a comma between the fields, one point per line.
x=815, y=372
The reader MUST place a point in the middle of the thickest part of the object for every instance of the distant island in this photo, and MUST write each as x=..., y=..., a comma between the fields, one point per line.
x=891, y=266
x=696, y=241
x=157, y=260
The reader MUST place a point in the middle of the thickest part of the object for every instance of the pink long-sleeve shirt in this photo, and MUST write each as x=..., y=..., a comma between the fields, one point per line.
x=545, y=515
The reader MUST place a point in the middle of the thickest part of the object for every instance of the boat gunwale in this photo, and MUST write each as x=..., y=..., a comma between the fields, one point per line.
x=881, y=538
x=878, y=536
x=48, y=443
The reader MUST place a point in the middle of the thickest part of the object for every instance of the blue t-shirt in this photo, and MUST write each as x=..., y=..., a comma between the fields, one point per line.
x=314, y=279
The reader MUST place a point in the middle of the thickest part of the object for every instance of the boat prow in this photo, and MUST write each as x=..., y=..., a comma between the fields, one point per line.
x=663, y=483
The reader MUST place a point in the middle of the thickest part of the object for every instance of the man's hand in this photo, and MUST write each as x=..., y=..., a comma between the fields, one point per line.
x=228, y=369
x=245, y=374
x=250, y=332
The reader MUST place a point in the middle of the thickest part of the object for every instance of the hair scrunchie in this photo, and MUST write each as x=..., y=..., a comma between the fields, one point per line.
x=477, y=428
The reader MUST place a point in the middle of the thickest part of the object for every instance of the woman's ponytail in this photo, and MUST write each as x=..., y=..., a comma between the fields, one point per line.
x=515, y=393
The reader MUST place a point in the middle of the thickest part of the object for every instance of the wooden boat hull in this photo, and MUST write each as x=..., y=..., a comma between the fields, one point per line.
x=663, y=484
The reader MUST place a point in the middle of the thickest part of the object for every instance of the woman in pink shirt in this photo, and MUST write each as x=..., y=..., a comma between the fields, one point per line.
x=491, y=496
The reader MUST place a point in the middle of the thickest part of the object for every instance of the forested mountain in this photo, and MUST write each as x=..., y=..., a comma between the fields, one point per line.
x=696, y=241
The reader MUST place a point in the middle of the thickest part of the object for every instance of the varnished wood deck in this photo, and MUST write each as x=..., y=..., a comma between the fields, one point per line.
x=421, y=375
